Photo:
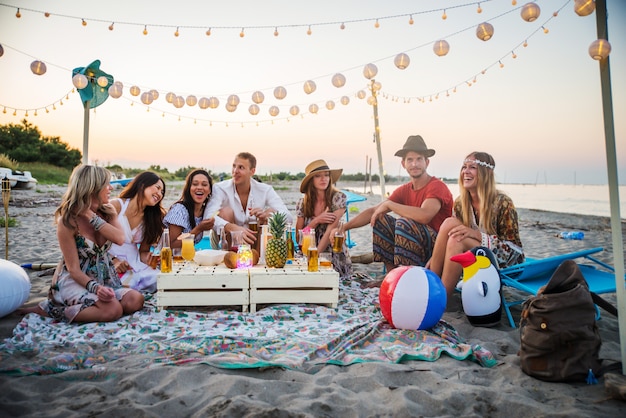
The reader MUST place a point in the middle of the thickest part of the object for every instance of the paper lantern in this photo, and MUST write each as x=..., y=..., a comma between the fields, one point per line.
x=203, y=103
x=339, y=80
x=231, y=107
x=169, y=97
x=253, y=109
x=441, y=47
x=294, y=110
x=402, y=61
x=309, y=86
x=155, y=94
x=146, y=98
x=361, y=94
x=178, y=102
x=15, y=289
x=280, y=92
x=80, y=81
x=102, y=81
x=599, y=49
x=233, y=100
x=370, y=71
x=530, y=12
x=484, y=31
x=274, y=110
x=191, y=100
x=115, y=90
x=345, y=100
x=584, y=7
x=214, y=102
x=134, y=90
x=314, y=108
x=330, y=105
x=258, y=97
x=38, y=67
x=371, y=100
x=412, y=298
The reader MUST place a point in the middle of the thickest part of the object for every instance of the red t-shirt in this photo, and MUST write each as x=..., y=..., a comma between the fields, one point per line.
x=435, y=189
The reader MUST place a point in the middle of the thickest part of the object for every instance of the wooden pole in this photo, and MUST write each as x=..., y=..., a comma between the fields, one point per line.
x=86, y=134
x=365, y=181
x=6, y=195
x=381, y=170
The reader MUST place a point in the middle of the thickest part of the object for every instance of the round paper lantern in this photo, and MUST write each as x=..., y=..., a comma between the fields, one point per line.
x=38, y=67
x=361, y=94
x=115, y=90
x=582, y=7
x=258, y=97
x=102, y=81
x=214, y=102
x=146, y=98
x=441, y=48
x=203, y=103
x=155, y=94
x=280, y=92
x=345, y=100
x=313, y=108
x=274, y=110
x=530, y=12
x=15, y=288
x=191, y=100
x=80, y=81
x=484, y=31
x=370, y=71
x=253, y=109
x=134, y=90
x=339, y=80
x=402, y=61
x=599, y=49
x=294, y=110
x=178, y=102
x=309, y=86
x=330, y=105
x=169, y=97
x=233, y=100
x=412, y=297
x=230, y=107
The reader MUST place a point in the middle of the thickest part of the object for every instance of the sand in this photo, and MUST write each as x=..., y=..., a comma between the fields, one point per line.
x=446, y=387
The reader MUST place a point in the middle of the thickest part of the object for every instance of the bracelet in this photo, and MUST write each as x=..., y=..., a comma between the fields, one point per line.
x=97, y=222
x=485, y=241
x=92, y=286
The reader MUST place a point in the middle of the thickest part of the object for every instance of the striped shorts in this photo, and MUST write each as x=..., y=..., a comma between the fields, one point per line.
x=402, y=242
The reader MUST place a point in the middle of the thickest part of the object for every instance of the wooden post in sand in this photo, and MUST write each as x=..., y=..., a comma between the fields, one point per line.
x=6, y=195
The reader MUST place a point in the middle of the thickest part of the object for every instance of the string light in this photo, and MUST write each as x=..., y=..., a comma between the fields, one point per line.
x=411, y=20
x=84, y=23
x=111, y=26
x=176, y=33
x=145, y=29
x=308, y=32
x=479, y=10
x=276, y=31
x=343, y=26
x=444, y=16
x=46, y=14
x=208, y=32
x=241, y=34
x=545, y=30
x=501, y=65
x=376, y=25
x=513, y=55
x=18, y=15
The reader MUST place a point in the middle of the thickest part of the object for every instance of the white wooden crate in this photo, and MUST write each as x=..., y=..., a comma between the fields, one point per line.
x=203, y=286
x=293, y=284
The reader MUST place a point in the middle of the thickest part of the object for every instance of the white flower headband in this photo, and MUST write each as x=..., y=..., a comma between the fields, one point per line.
x=479, y=162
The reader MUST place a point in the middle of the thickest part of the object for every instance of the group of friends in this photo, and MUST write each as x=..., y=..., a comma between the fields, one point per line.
x=105, y=243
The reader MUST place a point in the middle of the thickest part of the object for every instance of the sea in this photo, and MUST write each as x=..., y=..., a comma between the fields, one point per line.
x=564, y=198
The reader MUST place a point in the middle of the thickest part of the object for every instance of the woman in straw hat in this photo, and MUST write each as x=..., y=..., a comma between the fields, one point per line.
x=321, y=208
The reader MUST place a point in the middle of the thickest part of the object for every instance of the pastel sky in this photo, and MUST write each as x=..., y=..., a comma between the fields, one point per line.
x=539, y=114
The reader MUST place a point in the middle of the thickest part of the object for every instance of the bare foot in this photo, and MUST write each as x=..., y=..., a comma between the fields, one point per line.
x=33, y=309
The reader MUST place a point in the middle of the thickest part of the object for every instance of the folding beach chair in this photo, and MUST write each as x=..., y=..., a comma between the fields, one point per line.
x=351, y=198
x=532, y=274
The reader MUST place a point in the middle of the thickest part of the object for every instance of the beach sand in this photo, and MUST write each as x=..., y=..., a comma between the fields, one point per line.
x=446, y=387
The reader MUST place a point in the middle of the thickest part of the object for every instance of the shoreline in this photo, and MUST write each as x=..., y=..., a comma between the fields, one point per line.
x=446, y=387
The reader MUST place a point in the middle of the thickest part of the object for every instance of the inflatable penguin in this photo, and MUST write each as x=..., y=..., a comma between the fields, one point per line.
x=480, y=287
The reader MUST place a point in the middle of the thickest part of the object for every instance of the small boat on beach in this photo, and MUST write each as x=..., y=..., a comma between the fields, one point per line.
x=7, y=173
x=18, y=179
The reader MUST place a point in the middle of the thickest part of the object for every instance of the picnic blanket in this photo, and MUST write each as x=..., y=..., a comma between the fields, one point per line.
x=300, y=337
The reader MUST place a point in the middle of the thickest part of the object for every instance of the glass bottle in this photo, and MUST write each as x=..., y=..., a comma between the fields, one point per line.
x=166, y=252
x=290, y=245
x=312, y=254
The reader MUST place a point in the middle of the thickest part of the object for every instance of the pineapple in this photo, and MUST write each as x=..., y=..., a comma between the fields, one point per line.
x=276, y=248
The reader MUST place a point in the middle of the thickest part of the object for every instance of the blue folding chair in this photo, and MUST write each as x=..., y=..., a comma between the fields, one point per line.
x=532, y=274
x=351, y=198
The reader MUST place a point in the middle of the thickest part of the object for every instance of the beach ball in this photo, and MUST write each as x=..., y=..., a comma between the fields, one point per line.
x=412, y=297
x=14, y=287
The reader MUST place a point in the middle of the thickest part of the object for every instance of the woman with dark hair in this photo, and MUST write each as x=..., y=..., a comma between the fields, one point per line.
x=482, y=216
x=185, y=216
x=141, y=216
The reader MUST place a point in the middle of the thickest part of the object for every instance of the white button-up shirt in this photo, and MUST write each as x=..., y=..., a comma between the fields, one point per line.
x=225, y=195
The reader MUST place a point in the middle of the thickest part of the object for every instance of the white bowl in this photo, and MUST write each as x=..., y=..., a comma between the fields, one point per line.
x=209, y=257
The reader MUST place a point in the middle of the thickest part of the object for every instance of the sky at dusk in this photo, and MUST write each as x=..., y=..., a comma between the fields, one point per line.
x=536, y=108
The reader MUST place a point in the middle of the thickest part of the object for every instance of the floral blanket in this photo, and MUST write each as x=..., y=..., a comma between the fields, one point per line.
x=300, y=337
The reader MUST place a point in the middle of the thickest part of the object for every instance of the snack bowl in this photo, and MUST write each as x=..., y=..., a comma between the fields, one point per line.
x=209, y=257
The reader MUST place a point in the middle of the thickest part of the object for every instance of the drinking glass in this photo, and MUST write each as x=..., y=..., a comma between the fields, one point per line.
x=236, y=239
x=188, y=251
x=325, y=259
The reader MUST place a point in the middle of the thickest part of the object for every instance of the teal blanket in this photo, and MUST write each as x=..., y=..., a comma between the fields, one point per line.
x=299, y=337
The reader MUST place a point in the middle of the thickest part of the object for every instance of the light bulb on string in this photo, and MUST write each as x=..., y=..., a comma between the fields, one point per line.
x=513, y=2
x=47, y=111
x=84, y=23
x=26, y=114
x=18, y=15
x=276, y=31
x=376, y=25
x=444, y=16
x=208, y=32
x=343, y=26
x=145, y=30
x=411, y=20
x=479, y=10
x=241, y=34
x=308, y=32
x=46, y=14
x=15, y=113
x=111, y=26
x=525, y=44
x=555, y=13
x=176, y=33
x=513, y=55
x=545, y=30
x=501, y=65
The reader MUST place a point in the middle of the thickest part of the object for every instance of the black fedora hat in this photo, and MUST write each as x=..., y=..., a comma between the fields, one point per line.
x=415, y=143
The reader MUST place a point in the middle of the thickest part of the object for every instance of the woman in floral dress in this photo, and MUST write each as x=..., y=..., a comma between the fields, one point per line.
x=85, y=286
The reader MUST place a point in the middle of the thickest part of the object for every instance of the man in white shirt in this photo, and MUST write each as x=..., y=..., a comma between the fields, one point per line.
x=242, y=198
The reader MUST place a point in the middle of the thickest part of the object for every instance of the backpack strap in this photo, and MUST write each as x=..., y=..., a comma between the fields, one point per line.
x=604, y=304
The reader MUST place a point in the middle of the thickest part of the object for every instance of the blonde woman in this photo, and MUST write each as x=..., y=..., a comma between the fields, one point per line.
x=483, y=215
x=85, y=286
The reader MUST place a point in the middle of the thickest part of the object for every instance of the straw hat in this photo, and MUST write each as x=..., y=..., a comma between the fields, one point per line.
x=415, y=143
x=315, y=167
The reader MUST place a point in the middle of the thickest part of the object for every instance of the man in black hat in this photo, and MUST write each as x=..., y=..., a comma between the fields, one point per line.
x=419, y=206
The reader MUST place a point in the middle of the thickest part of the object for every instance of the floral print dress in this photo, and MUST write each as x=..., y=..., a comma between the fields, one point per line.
x=341, y=261
x=67, y=298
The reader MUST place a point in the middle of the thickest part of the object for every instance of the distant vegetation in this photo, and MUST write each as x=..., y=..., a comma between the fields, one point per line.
x=51, y=161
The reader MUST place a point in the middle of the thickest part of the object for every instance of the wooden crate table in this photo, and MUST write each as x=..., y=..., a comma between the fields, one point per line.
x=293, y=284
x=203, y=286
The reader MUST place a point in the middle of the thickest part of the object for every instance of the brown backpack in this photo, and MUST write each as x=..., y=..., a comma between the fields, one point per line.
x=559, y=338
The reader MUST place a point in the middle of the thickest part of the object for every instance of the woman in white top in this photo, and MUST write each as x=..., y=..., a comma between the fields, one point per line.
x=141, y=217
x=186, y=215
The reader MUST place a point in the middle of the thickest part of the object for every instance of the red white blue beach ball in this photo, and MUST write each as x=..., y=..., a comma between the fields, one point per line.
x=412, y=297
